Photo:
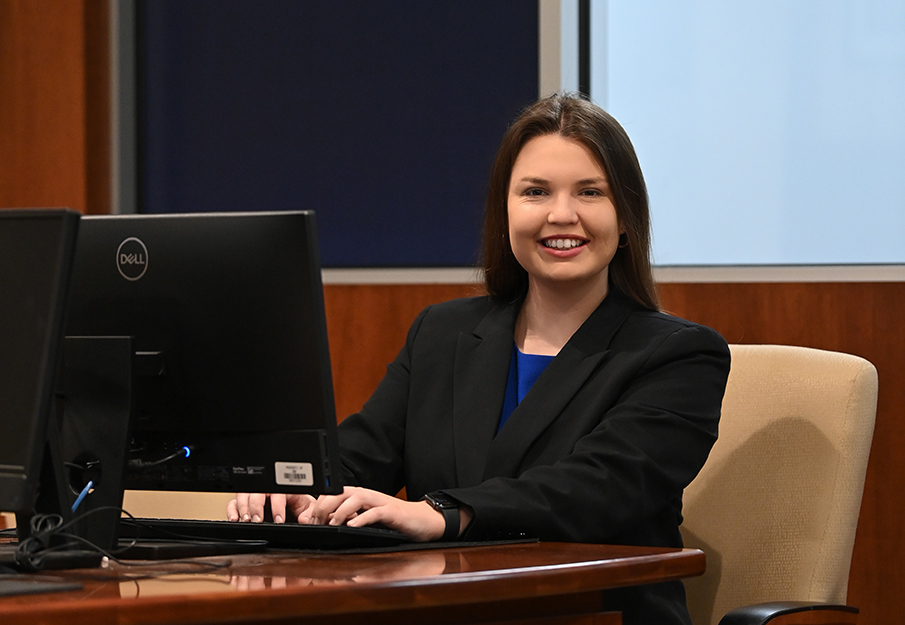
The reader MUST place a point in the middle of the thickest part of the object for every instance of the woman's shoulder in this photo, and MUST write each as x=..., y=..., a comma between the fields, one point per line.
x=633, y=326
x=461, y=305
x=621, y=318
x=443, y=322
x=464, y=311
x=663, y=319
x=660, y=326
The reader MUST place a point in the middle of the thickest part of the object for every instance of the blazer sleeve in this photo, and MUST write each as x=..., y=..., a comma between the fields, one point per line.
x=623, y=479
x=372, y=441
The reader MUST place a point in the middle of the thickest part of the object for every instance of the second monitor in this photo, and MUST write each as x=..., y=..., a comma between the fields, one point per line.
x=230, y=384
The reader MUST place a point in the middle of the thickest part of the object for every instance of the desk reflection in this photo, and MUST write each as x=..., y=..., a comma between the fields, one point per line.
x=278, y=573
x=350, y=570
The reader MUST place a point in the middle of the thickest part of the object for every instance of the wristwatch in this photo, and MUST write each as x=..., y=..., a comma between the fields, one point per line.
x=449, y=507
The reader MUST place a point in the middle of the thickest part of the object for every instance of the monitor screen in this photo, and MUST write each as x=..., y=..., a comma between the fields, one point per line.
x=231, y=387
x=35, y=255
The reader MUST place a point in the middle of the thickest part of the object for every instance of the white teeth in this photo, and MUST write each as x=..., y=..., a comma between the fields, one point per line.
x=563, y=244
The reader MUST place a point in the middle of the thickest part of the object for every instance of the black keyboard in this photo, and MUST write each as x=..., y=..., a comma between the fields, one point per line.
x=275, y=535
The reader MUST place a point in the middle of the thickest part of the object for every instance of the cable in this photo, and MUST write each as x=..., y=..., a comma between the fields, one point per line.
x=31, y=552
x=185, y=452
x=82, y=495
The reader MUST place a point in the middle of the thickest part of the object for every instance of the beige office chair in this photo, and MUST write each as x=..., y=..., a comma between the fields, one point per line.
x=776, y=506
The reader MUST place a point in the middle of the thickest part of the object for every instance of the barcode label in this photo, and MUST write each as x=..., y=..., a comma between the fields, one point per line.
x=294, y=473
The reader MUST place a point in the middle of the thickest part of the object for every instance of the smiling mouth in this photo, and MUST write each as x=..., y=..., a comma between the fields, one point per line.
x=563, y=244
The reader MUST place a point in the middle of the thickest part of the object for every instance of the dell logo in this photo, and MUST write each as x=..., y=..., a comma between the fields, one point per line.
x=132, y=259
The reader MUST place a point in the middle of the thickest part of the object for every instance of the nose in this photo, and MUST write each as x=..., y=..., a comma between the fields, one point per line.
x=562, y=210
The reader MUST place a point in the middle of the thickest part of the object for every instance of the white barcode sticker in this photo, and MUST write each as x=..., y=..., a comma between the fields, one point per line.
x=294, y=473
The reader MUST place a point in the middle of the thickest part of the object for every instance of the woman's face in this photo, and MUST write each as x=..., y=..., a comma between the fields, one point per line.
x=562, y=219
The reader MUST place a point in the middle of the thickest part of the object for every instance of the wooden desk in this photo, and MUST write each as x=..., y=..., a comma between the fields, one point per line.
x=529, y=583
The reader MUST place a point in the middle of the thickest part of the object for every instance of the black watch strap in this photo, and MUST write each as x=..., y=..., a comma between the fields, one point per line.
x=449, y=507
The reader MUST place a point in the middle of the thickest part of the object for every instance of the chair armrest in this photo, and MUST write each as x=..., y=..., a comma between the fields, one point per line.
x=791, y=612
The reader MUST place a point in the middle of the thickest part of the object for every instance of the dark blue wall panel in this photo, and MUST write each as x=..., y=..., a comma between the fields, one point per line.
x=383, y=117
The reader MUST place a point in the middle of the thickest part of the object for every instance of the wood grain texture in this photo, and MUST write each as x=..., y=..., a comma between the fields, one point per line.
x=493, y=583
x=54, y=104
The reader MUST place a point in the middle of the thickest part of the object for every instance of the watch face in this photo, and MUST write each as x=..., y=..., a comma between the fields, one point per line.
x=441, y=501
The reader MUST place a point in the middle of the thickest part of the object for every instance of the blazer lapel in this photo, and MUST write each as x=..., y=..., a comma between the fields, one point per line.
x=564, y=377
x=481, y=367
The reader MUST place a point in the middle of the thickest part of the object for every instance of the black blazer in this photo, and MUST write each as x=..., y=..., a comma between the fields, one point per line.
x=599, y=450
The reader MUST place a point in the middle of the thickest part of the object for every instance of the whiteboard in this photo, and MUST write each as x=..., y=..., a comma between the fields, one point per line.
x=769, y=131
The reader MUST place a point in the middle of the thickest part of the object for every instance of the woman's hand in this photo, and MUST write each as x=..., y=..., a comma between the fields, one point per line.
x=250, y=507
x=359, y=507
x=355, y=507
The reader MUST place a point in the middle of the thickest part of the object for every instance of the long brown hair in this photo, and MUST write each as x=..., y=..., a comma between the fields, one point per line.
x=578, y=119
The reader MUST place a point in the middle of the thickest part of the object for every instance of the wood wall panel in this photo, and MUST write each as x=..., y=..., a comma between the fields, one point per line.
x=367, y=326
x=54, y=104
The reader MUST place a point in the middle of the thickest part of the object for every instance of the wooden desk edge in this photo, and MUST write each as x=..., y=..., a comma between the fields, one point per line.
x=447, y=591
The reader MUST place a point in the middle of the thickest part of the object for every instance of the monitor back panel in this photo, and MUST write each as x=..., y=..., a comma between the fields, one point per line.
x=226, y=316
x=35, y=257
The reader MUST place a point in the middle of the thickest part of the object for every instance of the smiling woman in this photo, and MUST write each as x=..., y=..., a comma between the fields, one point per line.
x=563, y=405
x=563, y=226
x=600, y=166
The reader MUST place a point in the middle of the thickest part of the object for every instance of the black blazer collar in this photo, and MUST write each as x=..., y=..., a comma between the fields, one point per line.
x=479, y=383
x=481, y=368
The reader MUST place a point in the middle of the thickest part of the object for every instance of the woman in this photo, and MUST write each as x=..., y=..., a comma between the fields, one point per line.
x=561, y=406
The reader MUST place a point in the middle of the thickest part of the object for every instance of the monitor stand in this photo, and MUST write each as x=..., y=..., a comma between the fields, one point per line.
x=81, y=486
x=79, y=501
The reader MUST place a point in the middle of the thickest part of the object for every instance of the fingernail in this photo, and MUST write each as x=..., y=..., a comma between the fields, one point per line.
x=246, y=518
x=278, y=519
x=256, y=519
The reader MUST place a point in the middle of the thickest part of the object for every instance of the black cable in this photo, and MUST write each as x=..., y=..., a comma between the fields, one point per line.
x=185, y=452
x=32, y=551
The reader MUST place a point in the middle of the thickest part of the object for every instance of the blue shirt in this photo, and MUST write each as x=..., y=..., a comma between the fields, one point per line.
x=524, y=369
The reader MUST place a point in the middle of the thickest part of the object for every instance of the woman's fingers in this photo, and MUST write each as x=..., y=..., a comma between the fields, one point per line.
x=359, y=507
x=250, y=507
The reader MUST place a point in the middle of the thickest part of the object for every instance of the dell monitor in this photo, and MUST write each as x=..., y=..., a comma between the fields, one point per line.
x=227, y=381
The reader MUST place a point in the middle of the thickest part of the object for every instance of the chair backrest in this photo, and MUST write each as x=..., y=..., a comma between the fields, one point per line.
x=776, y=506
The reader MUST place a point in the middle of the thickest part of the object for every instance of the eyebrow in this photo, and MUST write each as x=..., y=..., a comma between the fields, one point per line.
x=585, y=181
x=597, y=180
x=534, y=180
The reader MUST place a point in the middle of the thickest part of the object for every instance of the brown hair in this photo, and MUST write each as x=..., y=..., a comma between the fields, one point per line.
x=573, y=118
